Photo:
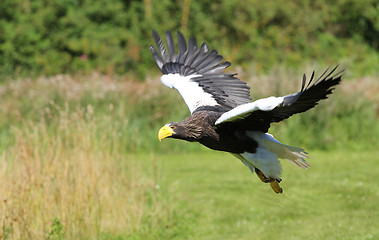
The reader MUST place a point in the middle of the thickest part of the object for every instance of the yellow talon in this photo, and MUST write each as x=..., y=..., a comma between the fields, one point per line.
x=261, y=176
x=274, y=183
x=275, y=186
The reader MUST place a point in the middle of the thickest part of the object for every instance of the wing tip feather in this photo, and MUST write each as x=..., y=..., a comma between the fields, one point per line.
x=187, y=60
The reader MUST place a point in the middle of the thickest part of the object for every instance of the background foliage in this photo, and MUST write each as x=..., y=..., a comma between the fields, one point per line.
x=79, y=155
x=50, y=37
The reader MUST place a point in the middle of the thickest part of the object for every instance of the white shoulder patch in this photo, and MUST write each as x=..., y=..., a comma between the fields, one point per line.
x=264, y=104
x=193, y=95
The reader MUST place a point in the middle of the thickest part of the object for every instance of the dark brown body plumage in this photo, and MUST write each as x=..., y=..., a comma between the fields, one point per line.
x=200, y=127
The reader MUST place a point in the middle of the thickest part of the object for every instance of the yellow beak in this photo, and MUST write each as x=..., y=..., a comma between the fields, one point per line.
x=164, y=132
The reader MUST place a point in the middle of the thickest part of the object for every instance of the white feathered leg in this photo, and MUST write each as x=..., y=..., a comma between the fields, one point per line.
x=265, y=160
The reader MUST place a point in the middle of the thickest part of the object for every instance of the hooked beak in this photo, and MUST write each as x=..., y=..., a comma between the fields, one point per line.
x=165, y=131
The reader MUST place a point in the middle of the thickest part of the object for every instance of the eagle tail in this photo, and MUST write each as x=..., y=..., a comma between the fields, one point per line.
x=294, y=155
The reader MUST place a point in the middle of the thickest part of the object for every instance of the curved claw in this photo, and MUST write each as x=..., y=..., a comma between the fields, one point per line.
x=275, y=186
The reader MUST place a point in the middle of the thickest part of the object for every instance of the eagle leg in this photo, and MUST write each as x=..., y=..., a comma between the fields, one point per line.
x=274, y=183
x=275, y=186
x=261, y=176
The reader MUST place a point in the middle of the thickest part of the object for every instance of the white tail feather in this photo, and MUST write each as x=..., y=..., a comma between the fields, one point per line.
x=267, y=153
x=294, y=155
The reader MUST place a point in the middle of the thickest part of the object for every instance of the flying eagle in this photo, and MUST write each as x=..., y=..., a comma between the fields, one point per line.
x=223, y=117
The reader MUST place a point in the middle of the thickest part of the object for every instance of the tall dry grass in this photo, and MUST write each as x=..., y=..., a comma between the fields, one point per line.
x=70, y=177
x=69, y=165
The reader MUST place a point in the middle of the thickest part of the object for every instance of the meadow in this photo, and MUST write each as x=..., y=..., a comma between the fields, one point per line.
x=80, y=159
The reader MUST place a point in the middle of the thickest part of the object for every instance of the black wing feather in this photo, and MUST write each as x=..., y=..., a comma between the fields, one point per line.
x=171, y=46
x=207, y=65
x=161, y=46
x=307, y=98
x=302, y=101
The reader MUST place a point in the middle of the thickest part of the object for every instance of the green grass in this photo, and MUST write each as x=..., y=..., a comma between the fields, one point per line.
x=214, y=196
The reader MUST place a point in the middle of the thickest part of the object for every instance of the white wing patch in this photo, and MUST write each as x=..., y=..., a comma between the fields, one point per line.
x=193, y=95
x=264, y=104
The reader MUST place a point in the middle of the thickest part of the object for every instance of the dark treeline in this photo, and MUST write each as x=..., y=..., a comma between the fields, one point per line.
x=54, y=36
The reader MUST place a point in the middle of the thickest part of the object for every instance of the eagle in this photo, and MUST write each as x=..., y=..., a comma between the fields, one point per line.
x=223, y=116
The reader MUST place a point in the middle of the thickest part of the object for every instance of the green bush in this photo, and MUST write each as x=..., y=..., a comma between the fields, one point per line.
x=57, y=230
x=50, y=37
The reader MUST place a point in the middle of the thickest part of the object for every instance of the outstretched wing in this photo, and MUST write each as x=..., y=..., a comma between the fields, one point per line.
x=198, y=74
x=258, y=115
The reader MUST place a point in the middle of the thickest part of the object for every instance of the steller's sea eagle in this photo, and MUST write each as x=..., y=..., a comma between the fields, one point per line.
x=223, y=117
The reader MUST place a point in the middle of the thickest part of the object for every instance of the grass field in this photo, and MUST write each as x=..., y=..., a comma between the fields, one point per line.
x=217, y=198
x=80, y=159
x=196, y=196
